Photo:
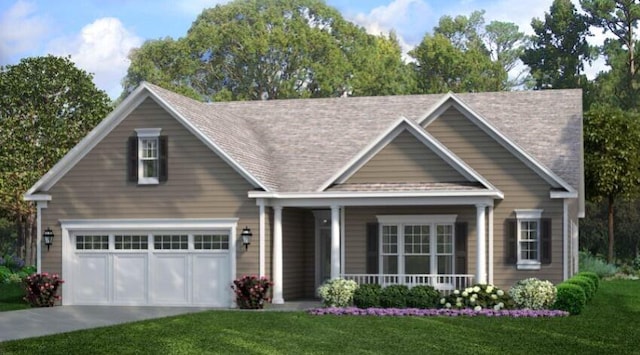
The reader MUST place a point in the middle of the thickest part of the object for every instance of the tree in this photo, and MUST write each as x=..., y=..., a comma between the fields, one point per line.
x=559, y=48
x=620, y=18
x=270, y=49
x=441, y=67
x=505, y=43
x=46, y=106
x=612, y=162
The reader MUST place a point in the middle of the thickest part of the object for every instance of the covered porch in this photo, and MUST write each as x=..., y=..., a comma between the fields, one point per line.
x=442, y=241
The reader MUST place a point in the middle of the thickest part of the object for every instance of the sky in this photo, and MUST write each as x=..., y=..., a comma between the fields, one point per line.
x=98, y=34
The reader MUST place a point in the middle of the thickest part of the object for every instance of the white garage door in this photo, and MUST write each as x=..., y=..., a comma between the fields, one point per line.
x=150, y=268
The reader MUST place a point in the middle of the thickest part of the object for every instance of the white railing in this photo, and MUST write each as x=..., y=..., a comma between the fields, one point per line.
x=440, y=282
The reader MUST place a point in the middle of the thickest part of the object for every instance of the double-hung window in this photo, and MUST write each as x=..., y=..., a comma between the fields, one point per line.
x=422, y=244
x=528, y=244
x=147, y=157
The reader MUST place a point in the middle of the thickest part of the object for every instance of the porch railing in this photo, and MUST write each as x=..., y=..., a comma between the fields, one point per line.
x=441, y=282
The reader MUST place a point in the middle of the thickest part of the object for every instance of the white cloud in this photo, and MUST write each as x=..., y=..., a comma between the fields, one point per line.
x=101, y=48
x=21, y=30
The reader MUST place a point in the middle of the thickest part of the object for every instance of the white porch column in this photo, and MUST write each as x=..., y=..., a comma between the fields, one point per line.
x=490, y=241
x=39, y=206
x=481, y=261
x=335, y=242
x=261, y=257
x=277, y=255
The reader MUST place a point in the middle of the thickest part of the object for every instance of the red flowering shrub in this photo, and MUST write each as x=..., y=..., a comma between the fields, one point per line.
x=251, y=291
x=42, y=289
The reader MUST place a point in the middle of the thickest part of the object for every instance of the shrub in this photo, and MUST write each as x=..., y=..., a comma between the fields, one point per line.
x=12, y=262
x=592, y=276
x=478, y=297
x=367, y=296
x=423, y=296
x=251, y=291
x=585, y=283
x=588, y=262
x=533, y=293
x=337, y=292
x=4, y=274
x=570, y=298
x=394, y=296
x=636, y=263
x=42, y=289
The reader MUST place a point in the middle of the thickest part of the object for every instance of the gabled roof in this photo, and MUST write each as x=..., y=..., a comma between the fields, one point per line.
x=401, y=125
x=299, y=145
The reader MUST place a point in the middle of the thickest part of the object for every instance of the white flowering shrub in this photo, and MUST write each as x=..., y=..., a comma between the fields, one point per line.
x=533, y=293
x=478, y=297
x=337, y=292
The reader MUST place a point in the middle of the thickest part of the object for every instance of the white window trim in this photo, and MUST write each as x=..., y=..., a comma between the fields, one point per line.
x=400, y=221
x=528, y=215
x=146, y=134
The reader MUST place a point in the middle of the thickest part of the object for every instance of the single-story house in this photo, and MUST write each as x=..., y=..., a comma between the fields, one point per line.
x=152, y=206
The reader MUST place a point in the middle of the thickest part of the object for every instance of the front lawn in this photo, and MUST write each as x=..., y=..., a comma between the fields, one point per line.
x=11, y=297
x=608, y=325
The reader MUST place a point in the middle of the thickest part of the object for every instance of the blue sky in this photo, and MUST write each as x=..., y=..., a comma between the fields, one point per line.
x=98, y=34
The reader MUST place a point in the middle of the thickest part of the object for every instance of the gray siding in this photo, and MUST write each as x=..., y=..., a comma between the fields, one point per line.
x=522, y=188
x=405, y=159
x=200, y=185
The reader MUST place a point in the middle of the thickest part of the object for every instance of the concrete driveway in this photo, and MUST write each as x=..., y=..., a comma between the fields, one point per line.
x=36, y=322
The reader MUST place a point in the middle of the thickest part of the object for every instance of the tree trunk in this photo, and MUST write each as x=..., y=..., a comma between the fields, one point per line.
x=611, y=238
x=27, y=230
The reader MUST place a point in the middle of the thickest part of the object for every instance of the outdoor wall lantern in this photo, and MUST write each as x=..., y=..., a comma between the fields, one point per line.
x=48, y=237
x=246, y=237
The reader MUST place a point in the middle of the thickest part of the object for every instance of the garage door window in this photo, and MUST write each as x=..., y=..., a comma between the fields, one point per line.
x=211, y=242
x=92, y=242
x=131, y=242
x=171, y=242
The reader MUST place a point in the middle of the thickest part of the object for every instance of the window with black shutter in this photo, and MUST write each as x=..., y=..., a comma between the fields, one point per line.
x=147, y=157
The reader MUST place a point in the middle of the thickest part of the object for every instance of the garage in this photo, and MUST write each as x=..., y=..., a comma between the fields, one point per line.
x=138, y=265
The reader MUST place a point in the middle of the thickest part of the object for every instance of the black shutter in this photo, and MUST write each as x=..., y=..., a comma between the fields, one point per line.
x=461, y=248
x=511, y=241
x=132, y=159
x=372, y=248
x=545, y=241
x=163, y=168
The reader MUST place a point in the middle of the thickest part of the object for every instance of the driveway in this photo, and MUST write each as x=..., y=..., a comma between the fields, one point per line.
x=36, y=322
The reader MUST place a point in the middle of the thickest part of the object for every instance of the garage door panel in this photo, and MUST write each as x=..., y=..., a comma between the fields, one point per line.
x=91, y=276
x=130, y=278
x=211, y=283
x=169, y=275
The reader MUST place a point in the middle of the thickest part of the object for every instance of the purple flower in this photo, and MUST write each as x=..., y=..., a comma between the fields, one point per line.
x=417, y=312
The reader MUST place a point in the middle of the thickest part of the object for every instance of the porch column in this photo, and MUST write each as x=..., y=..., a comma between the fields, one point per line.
x=490, y=241
x=481, y=261
x=335, y=242
x=277, y=255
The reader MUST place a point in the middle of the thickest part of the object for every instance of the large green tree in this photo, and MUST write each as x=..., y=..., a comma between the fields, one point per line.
x=612, y=162
x=270, y=49
x=619, y=18
x=46, y=106
x=559, y=49
x=456, y=58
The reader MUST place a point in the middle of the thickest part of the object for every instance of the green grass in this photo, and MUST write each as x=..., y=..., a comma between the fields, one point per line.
x=11, y=297
x=608, y=325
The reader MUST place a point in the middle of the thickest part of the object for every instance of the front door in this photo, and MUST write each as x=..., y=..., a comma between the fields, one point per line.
x=323, y=246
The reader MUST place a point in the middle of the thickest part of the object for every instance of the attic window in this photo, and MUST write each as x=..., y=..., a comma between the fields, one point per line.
x=147, y=157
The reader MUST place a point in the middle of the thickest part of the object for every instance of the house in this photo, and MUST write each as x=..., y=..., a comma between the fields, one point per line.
x=446, y=190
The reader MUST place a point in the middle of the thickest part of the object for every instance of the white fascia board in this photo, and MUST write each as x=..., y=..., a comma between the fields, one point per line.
x=563, y=194
x=89, y=141
x=364, y=155
x=452, y=100
x=37, y=197
x=349, y=194
x=209, y=143
x=148, y=224
x=382, y=201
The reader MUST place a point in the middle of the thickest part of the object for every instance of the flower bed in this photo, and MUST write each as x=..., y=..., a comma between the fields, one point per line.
x=417, y=312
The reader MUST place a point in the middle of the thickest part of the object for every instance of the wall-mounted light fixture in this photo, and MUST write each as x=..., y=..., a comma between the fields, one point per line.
x=246, y=237
x=48, y=237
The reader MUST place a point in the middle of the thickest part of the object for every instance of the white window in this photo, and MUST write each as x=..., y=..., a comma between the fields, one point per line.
x=528, y=232
x=148, y=155
x=417, y=244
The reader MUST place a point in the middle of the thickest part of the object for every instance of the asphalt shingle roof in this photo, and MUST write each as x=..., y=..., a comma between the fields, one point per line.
x=297, y=145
